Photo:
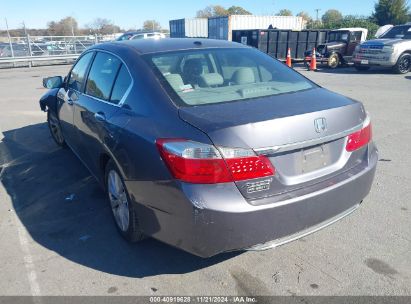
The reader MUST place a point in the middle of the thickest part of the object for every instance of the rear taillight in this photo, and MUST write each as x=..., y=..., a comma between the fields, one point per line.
x=199, y=163
x=360, y=138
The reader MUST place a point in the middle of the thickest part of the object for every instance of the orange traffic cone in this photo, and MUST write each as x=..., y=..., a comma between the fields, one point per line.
x=313, y=63
x=288, y=59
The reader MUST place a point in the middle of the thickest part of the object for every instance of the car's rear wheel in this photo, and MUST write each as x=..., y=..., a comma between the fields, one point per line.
x=361, y=67
x=403, y=64
x=123, y=209
x=333, y=61
x=55, y=128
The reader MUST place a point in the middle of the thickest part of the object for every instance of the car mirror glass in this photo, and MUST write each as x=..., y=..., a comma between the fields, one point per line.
x=53, y=82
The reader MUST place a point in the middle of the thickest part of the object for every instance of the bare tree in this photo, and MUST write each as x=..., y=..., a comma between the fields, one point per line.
x=65, y=27
x=218, y=10
x=206, y=12
x=103, y=26
x=306, y=17
x=285, y=12
x=212, y=11
x=151, y=25
x=237, y=10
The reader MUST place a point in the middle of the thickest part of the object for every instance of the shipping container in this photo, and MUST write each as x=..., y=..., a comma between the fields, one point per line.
x=222, y=27
x=189, y=28
x=276, y=42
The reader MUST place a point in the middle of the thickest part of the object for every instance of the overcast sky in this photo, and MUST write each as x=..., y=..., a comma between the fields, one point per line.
x=132, y=13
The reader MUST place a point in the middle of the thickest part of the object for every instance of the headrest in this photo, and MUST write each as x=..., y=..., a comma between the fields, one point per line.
x=210, y=79
x=243, y=76
x=193, y=66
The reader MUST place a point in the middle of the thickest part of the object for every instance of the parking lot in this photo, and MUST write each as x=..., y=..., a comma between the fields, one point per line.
x=57, y=235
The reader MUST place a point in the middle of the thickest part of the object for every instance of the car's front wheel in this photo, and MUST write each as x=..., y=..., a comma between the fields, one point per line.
x=333, y=61
x=123, y=209
x=403, y=64
x=55, y=128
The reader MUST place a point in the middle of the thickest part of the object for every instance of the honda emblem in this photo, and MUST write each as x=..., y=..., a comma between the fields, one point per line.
x=320, y=125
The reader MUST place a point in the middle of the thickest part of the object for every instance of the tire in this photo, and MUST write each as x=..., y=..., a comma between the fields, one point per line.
x=55, y=128
x=361, y=67
x=123, y=209
x=333, y=61
x=403, y=65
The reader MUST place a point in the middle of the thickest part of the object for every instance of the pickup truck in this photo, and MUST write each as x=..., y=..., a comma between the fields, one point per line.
x=392, y=49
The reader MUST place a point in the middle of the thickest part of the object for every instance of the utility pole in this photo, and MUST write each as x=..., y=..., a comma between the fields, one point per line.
x=8, y=35
x=24, y=28
x=317, y=10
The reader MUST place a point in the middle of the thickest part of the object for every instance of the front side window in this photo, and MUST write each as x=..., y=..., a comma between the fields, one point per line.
x=198, y=77
x=356, y=36
x=78, y=73
x=102, y=74
x=338, y=36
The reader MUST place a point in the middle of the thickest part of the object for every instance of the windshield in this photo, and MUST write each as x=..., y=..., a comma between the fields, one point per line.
x=208, y=76
x=338, y=36
x=403, y=32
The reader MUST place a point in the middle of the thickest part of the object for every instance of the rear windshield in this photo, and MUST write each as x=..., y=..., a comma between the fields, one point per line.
x=198, y=77
x=403, y=32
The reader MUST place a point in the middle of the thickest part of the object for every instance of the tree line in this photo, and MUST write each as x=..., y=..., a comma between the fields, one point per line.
x=385, y=12
x=68, y=26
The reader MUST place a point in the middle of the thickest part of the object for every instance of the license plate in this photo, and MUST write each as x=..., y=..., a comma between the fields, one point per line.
x=315, y=158
x=364, y=61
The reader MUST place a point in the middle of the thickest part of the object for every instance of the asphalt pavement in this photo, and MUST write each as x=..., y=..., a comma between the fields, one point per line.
x=57, y=236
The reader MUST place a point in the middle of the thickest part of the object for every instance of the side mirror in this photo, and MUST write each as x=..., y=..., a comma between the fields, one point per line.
x=53, y=82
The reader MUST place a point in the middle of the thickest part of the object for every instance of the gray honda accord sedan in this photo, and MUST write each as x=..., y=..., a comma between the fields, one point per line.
x=211, y=146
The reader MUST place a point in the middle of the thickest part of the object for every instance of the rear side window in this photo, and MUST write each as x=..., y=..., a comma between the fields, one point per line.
x=102, y=74
x=78, y=72
x=123, y=82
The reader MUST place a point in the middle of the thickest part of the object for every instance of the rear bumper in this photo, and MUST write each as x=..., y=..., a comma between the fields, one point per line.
x=209, y=219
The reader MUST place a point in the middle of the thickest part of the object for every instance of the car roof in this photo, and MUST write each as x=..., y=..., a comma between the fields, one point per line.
x=351, y=29
x=147, y=46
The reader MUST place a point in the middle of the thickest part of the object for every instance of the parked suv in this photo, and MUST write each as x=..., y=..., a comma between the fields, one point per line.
x=340, y=46
x=392, y=49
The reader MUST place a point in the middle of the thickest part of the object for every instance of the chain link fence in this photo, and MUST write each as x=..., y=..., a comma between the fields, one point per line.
x=17, y=51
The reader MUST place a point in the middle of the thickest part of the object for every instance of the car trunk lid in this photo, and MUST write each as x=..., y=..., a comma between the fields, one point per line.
x=302, y=133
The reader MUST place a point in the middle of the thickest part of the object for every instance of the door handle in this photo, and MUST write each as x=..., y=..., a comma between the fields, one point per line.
x=100, y=116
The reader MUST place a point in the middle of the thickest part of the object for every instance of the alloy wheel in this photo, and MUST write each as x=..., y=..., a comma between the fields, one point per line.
x=405, y=64
x=118, y=200
x=55, y=128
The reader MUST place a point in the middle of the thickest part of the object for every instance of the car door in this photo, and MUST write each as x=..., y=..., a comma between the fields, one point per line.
x=69, y=95
x=95, y=114
x=355, y=39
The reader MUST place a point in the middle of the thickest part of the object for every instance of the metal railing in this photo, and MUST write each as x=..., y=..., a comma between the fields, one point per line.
x=44, y=48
